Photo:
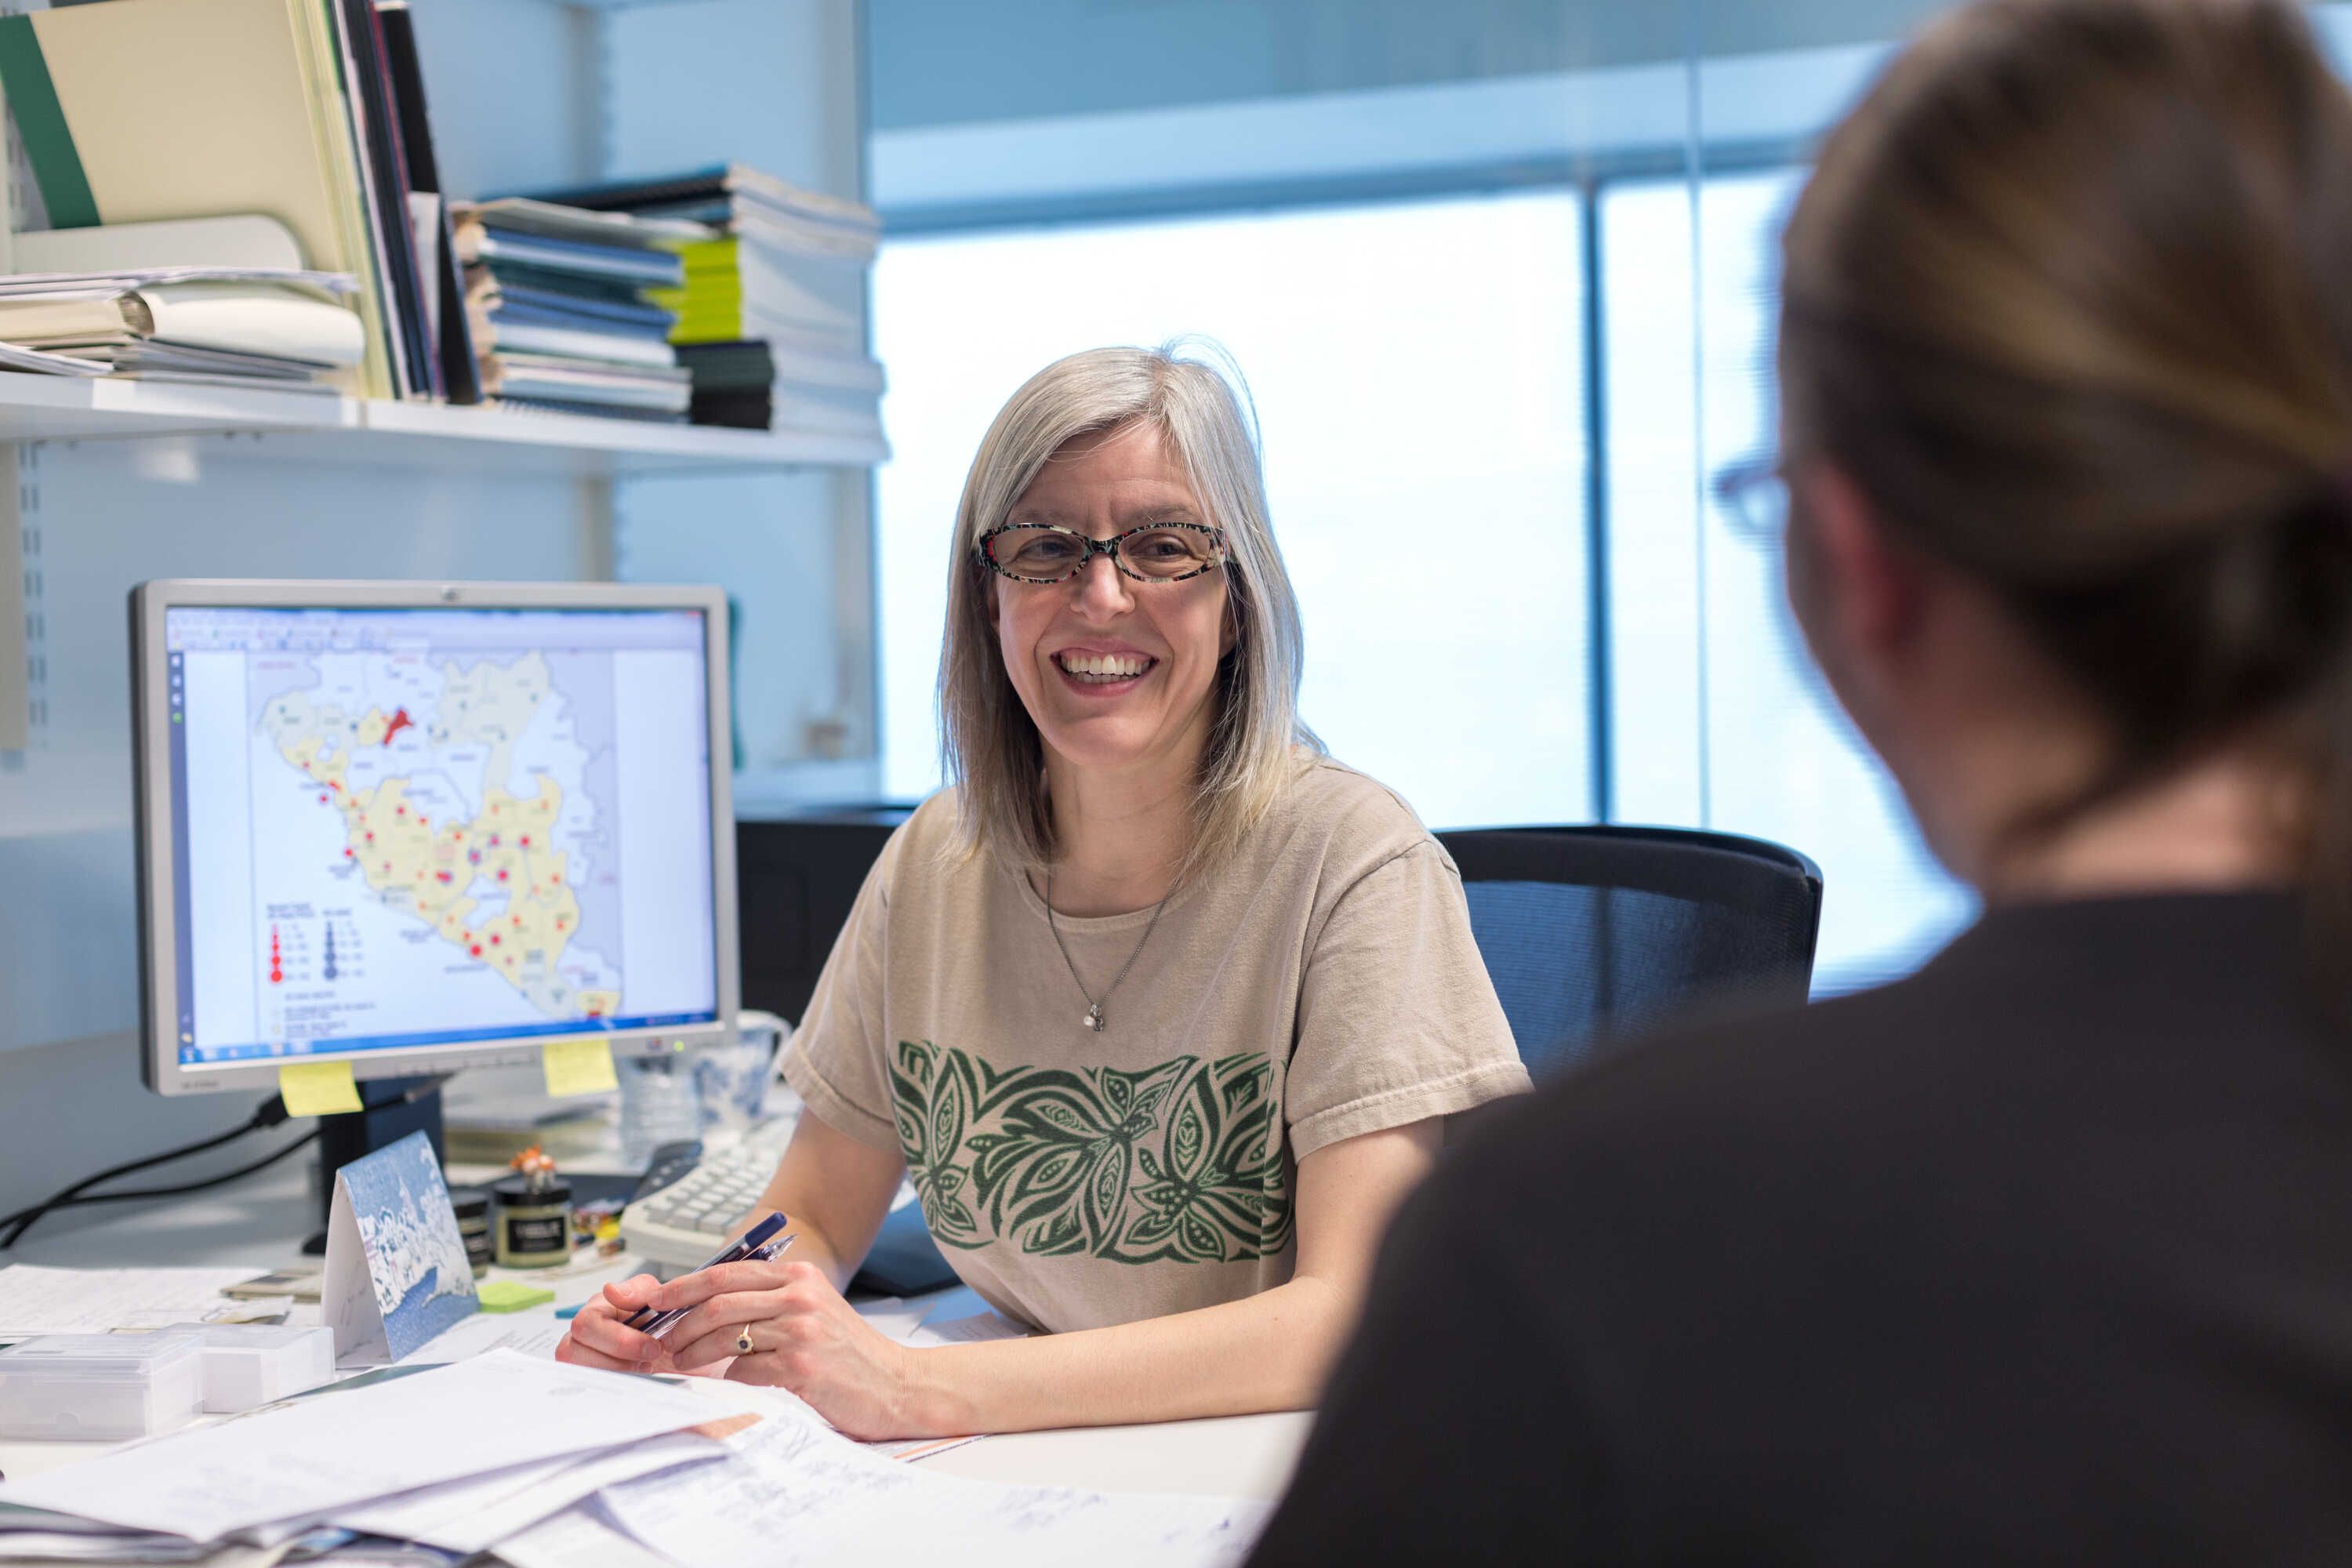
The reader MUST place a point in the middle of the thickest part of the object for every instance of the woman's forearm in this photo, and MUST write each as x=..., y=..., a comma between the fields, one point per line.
x=1270, y=1352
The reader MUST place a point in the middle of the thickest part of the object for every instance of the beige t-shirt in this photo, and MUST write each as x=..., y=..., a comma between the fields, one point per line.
x=1320, y=984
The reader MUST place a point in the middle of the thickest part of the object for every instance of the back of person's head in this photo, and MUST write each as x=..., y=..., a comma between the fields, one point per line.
x=2069, y=301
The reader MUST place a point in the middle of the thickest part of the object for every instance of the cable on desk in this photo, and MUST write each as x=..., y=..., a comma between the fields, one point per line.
x=269, y=1113
x=225, y=1177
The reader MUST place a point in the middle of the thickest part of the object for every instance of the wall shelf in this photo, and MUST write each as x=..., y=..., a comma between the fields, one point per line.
x=313, y=427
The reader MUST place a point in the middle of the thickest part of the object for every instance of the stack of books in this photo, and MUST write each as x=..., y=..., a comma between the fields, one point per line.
x=559, y=304
x=770, y=309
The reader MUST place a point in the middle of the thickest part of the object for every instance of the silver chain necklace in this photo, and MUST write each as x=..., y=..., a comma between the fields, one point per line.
x=1094, y=1018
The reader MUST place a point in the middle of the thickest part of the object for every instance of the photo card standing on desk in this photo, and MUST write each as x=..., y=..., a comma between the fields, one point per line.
x=396, y=1268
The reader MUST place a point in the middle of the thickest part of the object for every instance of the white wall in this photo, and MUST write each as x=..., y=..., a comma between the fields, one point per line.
x=525, y=94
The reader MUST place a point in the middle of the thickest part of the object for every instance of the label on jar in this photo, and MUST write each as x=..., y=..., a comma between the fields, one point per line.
x=551, y=1234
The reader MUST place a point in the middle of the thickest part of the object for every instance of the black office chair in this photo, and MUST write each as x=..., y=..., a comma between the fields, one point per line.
x=796, y=879
x=1596, y=933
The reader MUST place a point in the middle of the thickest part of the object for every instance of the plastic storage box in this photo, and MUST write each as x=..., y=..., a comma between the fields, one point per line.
x=100, y=1387
x=249, y=1364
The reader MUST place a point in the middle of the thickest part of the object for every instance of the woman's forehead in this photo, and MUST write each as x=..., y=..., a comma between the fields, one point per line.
x=1130, y=473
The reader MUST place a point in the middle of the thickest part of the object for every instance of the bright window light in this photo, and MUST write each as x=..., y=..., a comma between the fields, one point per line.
x=1418, y=370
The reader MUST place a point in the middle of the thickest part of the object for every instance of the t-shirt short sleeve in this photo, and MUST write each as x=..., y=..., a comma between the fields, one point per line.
x=1397, y=1018
x=835, y=1060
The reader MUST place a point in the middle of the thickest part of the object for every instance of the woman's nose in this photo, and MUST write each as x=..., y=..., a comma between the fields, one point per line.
x=1102, y=591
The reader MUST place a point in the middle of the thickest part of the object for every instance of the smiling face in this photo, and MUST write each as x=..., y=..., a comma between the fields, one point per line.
x=1119, y=676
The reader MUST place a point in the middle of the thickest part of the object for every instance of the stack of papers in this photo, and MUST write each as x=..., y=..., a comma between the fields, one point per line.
x=547, y=1466
x=282, y=328
x=559, y=302
x=37, y=1300
x=771, y=309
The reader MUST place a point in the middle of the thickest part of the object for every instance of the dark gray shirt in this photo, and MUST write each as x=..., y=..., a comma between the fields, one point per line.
x=2042, y=1255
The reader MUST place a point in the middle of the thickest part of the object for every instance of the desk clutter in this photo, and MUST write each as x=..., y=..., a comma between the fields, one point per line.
x=459, y=1434
x=548, y=1466
x=159, y=131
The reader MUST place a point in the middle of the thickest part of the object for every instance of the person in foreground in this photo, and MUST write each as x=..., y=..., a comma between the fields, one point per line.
x=2045, y=1253
x=1160, y=1007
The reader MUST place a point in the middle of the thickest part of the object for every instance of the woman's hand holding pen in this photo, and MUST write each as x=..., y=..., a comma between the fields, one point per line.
x=600, y=1336
x=804, y=1338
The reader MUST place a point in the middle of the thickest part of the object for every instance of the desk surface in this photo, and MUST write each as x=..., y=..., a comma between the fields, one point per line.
x=259, y=1222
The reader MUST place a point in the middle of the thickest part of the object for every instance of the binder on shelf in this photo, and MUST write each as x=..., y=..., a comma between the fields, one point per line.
x=453, y=336
x=384, y=183
x=141, y=110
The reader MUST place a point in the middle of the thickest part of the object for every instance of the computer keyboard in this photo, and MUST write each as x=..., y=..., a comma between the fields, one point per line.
x=693, y=1195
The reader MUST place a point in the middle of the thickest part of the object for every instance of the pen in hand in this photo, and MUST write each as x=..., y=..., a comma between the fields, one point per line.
x=761, y=1243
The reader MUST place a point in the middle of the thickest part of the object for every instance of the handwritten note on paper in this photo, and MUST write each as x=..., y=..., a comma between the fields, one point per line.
x=834, y=1500
x=583, y=1066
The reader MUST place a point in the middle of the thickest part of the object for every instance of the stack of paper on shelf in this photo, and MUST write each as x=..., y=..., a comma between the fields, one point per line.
x=282, y=331
x=546, y=1466
x=770, y=312
x=558, y=302
x=145, y=110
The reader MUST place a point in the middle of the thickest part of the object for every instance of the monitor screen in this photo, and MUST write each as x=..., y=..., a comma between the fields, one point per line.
x=397, y=828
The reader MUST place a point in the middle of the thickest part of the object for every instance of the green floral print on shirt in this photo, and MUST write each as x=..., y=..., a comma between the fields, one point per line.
x=1182, y=1161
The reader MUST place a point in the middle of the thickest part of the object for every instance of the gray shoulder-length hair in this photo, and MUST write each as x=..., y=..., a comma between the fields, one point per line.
x=990, y=745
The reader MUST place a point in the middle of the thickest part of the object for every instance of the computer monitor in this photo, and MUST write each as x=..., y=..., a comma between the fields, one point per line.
x=422, y=826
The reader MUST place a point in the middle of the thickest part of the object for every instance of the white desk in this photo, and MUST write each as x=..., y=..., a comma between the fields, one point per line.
x=261, y=1222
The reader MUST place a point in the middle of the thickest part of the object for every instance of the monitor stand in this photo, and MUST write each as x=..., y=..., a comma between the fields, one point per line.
x=386, y=1115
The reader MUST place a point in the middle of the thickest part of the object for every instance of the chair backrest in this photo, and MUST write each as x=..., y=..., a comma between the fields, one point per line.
x=795, y=881
x=1597, y=932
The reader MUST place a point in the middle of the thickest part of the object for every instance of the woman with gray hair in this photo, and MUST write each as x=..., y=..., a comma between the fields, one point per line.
x=1161, y=1008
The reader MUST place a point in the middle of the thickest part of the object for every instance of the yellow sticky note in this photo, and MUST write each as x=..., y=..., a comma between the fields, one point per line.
x=317, y=1089
x=583, y=1066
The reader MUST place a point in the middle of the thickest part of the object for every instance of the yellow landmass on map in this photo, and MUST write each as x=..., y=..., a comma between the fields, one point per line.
x=507, y=852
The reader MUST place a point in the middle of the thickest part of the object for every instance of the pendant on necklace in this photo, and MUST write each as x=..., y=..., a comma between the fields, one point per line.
x=1094, y=1018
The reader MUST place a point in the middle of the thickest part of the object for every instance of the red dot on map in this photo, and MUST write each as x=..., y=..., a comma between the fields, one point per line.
x=476, y=950
x=526, y=841
x=322, y=800
x=277, y=977
x=400, y=811
x=502, y=873
x=347, y=855
x=494, y=939
x=559, y=925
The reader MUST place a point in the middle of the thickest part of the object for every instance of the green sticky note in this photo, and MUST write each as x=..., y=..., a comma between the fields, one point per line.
x=507, y=1295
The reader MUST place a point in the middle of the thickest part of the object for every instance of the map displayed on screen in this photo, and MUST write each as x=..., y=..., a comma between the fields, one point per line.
x=406, y=827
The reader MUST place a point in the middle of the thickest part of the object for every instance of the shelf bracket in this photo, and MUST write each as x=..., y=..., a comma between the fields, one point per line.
x=16, y=570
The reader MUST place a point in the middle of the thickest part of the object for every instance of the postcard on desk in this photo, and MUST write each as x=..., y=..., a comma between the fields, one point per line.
x=396, y=1269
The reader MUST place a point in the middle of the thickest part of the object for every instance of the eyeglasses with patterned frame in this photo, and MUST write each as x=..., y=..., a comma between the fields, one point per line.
x=1155, y=552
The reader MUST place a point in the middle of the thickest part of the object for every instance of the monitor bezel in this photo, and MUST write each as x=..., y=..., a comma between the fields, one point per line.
x=154, y=830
